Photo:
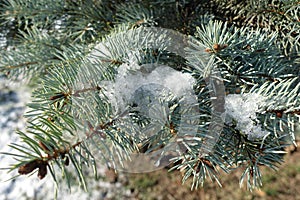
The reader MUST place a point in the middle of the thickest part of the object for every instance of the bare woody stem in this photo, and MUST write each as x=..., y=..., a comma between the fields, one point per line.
x=75, y=93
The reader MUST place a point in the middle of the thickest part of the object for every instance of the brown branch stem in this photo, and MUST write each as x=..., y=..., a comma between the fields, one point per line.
x=26, y=64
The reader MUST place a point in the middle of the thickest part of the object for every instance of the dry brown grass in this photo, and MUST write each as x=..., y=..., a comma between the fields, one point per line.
x=282, y=184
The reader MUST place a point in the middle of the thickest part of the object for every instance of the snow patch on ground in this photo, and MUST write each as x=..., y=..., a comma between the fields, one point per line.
x=12, y=107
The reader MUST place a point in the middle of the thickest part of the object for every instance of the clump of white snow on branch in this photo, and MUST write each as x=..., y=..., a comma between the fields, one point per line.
x=241, y=111
x=132, y=77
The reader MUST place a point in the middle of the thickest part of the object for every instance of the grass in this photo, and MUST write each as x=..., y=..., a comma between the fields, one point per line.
x=281, y=184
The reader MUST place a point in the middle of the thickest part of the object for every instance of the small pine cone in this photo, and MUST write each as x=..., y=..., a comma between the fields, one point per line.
x=217, y=47
x=208, y=50
x=279, y=114
x=42, y=170
x=29, y=167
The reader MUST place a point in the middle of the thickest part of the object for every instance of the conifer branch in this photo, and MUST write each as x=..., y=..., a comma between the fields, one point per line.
x=95, y=61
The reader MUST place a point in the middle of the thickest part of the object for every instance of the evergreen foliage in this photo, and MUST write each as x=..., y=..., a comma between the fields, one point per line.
x=73, y=49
